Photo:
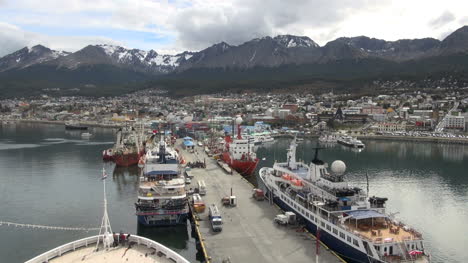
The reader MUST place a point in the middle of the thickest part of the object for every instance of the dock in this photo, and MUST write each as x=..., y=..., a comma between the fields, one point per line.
x=249, y=233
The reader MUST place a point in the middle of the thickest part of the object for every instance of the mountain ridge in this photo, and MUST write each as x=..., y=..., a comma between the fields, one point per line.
x=266, y=54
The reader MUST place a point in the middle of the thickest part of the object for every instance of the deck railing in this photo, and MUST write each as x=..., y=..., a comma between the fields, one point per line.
x=72, y=246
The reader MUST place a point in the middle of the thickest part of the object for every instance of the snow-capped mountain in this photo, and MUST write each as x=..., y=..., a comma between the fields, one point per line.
x=258, y=52
x=150, y=60
x=290, y=41
x=265, y=51
x=133, y=59
x=29, y=56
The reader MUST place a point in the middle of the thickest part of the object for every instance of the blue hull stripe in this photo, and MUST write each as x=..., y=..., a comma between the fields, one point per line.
x=346, y=251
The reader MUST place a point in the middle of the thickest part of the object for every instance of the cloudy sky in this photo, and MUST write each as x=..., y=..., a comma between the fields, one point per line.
x=175, y=25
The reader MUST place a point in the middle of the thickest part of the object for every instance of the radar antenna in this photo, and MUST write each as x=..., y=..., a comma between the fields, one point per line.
x=316, y=160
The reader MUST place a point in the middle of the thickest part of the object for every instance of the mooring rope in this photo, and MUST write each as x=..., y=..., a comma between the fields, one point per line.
x=48, y=227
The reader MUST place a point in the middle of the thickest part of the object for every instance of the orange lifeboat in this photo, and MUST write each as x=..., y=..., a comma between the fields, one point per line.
x=286, y=177
x=296, y=182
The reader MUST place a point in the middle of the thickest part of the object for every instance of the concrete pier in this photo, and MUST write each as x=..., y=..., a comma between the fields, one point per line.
x=249, y=233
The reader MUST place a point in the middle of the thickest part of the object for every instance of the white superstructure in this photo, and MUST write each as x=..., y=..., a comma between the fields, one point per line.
x=350, y=223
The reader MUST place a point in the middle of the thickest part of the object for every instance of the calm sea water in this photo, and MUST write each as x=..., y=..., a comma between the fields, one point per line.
x=426, y=183
x=49, y=176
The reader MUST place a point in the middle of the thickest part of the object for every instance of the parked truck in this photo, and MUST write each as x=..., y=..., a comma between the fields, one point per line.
x=201, y=187
x=215, y=218
x=286, y=218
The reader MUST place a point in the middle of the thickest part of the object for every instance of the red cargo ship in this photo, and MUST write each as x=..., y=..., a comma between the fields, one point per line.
x=239, y=153
x=128, y=148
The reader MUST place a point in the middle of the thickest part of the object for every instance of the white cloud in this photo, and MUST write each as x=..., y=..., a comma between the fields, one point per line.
x=198, y=24
x=443, y=19
x=13, y=38
x=242, y=20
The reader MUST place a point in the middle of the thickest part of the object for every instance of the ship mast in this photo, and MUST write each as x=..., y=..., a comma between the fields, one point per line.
x=238, y=123
x=105, y=232
x=292, y=155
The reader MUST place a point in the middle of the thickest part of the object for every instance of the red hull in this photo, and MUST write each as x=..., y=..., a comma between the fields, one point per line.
x=107, y=155
x=244, y=167
x=128, y=159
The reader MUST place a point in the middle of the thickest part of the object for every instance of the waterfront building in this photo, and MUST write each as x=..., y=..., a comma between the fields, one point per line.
x=391, y=127
x=455, y=122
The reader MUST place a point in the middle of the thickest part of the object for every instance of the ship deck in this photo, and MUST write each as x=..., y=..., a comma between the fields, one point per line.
x=249, y=233
x=137, y=253
x=163, y=183
x=135, y=249
x=383, y=233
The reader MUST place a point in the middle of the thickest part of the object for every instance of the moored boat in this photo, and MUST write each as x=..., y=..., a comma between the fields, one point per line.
x=128, y=147
x=73, y=125
x=351, y=142
x=328, y=138
x=239, y=153
x=162, y=199
x=349, y=222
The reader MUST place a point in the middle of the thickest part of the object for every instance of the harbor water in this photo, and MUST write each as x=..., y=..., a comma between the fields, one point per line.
x=49, y=176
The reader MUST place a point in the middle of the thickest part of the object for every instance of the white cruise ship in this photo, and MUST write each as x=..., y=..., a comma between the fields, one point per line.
x=352, y=224
x=162, y=199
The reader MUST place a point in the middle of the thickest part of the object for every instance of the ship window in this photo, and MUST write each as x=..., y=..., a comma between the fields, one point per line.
x=349, y=239
x=355, y=242
x=385, y=249
x=335, y=231
x=307, y=214
x=328, y=227
x=323, y=224
x=342, y=235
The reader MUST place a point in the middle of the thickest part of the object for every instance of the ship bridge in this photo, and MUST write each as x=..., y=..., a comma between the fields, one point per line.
x=301, y=169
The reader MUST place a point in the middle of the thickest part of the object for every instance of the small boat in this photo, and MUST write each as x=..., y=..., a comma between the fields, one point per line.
x=86, y=135
x=72, y=125
x=351, y=142
x=328, y=138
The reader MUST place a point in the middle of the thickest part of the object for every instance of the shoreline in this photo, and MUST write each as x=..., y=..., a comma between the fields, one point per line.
x=86, y=123
x=462, y=141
